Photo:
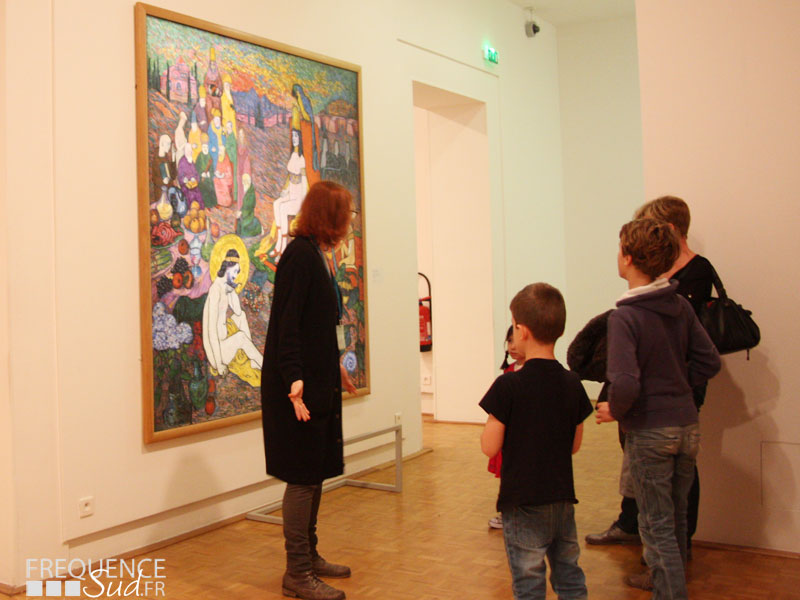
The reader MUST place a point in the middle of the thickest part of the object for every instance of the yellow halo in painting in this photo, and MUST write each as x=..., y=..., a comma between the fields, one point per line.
x=225, y=243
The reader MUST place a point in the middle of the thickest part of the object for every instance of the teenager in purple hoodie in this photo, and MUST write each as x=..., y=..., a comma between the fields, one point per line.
x=657, y=352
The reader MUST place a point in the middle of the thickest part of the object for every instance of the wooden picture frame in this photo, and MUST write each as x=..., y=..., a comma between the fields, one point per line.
x=231, y=131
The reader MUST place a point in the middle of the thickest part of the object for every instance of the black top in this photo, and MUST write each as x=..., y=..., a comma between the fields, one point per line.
x=301, y=344
x=694, y=281
x=540, y=405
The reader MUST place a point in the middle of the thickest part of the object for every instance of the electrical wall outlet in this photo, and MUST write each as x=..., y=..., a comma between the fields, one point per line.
x=398, y=418
x=86, y=506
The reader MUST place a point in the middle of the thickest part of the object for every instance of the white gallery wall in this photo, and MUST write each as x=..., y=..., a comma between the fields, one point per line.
x=720, y=88
x=31, y=323
x=602, y=147
x=69, y=258
x=8, y=487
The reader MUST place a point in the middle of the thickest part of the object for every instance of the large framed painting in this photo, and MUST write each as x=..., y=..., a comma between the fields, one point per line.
x=232, y=130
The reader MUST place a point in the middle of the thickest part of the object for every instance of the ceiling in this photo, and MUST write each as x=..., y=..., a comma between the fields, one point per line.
x=562, y=12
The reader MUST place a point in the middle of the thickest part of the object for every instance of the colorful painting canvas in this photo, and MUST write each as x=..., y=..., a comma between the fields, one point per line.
x=232, y=131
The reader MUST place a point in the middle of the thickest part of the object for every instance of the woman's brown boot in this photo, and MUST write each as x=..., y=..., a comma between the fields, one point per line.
x=323, y=568
x=308, y=586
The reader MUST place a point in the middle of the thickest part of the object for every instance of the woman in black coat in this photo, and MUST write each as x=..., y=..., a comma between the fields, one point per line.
x=301, y=385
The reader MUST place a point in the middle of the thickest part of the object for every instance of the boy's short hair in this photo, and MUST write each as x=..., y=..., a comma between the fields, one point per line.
x=671, y=209
x=540, y=307
x=652, y=245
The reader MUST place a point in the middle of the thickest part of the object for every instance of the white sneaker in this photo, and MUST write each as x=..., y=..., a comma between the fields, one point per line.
x=496, y=522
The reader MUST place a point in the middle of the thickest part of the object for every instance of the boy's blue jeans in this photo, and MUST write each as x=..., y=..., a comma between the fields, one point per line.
x=533, y=532
x=662, y=467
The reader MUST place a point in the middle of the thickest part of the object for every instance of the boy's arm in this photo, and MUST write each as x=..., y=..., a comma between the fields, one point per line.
x=497, y=404
x=576, y=441
x=622, y=368
x=492, y=436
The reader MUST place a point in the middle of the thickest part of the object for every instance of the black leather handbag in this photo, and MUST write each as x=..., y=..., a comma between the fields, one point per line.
x=728, y=324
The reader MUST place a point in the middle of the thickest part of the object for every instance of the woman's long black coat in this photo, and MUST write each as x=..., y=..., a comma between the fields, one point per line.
x=301, y=344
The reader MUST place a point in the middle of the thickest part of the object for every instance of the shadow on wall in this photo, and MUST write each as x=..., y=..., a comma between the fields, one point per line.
x=733, y=488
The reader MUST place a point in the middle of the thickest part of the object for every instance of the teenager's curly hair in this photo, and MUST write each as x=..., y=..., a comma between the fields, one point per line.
x=652, y=245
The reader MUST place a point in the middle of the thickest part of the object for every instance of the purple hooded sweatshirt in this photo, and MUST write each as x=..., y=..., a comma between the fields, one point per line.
x=657, y=351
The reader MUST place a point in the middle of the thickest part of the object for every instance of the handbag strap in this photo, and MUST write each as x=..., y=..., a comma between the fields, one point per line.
x=721, y=294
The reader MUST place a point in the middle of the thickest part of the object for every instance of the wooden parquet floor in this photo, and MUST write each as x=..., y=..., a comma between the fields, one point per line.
x=432, y=541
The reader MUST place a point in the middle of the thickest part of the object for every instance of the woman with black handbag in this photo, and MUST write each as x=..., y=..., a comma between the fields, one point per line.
x=695, y=276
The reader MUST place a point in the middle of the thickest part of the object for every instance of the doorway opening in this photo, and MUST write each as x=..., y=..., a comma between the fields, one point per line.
x=454, y=250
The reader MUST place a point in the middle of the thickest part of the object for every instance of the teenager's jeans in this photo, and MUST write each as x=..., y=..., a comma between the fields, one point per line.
x=300, y=508
x=533, y=532
x=628, y=519
x=662, y=466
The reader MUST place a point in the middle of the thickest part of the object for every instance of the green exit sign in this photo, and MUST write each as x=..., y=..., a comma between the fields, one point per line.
x=490, y=54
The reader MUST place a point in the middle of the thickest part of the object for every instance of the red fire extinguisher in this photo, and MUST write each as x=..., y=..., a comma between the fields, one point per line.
x=425, y=320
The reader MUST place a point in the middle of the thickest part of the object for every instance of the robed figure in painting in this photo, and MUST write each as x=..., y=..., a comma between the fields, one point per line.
x=163, y=167
x=303, y=121
x=215, y=136
x=205, y=169
x=188, y=178
x=226, y=103
x=223, y=179
x=213, y=85
x=248, y=224
x=200, y=112
x=233, y=155
x=292, y=194
x=242, y=162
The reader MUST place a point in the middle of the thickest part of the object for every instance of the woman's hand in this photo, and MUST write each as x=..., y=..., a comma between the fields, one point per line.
x=296, y=396
x=347, y=383
x=603, y=413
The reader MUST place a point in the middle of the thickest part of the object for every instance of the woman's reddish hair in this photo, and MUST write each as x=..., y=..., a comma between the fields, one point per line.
x=325, y=215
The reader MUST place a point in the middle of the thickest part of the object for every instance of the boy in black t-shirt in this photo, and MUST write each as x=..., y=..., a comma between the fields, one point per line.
x=536, y=417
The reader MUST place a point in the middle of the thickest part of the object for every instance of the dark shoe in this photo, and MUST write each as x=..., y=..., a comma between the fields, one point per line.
x=322, y=568
x=613, y=535
x=642, y=581
x=308, y=587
